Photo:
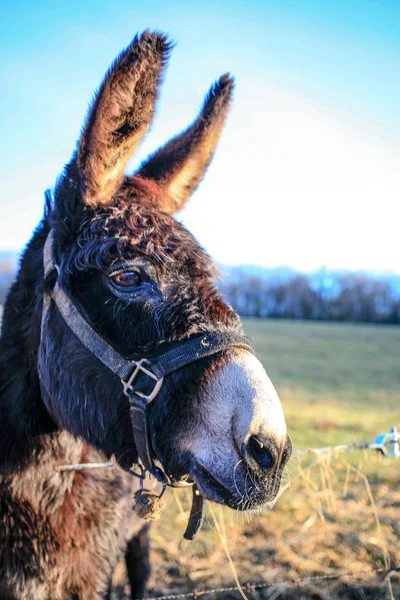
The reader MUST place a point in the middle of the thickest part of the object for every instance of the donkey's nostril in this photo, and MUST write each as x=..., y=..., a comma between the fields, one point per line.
x=261, y=453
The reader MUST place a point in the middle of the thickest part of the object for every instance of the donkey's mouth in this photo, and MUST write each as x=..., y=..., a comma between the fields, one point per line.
x=212, y=489
x=257, y=495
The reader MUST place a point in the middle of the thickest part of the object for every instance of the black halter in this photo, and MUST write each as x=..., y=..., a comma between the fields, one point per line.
x=141, y=379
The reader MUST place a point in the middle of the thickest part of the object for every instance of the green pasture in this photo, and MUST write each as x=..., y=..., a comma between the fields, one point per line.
x=339, y=383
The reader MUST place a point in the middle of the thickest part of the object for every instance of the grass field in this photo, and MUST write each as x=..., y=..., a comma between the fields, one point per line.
x=338, y=384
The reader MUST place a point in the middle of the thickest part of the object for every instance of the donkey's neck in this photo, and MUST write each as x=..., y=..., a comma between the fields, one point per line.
x=62, y=532
x=24, y=420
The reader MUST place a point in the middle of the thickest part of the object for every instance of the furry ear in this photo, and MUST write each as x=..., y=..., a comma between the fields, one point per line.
x=179, y=166
x=120, y=115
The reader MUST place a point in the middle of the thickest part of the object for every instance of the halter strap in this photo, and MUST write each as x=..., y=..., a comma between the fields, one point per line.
x=132, y=373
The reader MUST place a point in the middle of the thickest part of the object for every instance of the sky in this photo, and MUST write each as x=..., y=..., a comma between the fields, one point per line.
x=307, y=172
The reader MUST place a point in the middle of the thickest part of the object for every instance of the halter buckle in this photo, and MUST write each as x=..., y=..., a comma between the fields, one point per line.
x=128, y=386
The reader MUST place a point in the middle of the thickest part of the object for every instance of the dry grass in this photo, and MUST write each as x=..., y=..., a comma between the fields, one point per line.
x=339, y=384
x=331, y=519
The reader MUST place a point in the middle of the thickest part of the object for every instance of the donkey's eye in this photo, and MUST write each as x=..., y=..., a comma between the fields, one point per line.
x=126, y=279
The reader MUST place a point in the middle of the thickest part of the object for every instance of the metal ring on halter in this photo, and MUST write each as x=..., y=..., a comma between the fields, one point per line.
x=161, y=477
x=142, y=475
x=156, y=472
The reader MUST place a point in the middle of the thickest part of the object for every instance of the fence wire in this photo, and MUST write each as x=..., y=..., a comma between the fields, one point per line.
x=387, y=444
x=298, y=581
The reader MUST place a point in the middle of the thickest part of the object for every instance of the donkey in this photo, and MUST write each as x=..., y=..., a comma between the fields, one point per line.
x=116, y=342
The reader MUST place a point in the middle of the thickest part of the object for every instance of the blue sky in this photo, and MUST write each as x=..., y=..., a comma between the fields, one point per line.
x=308, y=169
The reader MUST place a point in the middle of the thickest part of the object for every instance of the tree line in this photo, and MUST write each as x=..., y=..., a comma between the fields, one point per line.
x=287, y=294
x=327, y=296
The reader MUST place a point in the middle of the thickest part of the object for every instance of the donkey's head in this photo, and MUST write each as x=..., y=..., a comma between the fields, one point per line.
x=145, y=286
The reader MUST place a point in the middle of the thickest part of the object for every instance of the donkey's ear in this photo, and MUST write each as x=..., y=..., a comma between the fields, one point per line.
x=179, y=166
x=120, y=115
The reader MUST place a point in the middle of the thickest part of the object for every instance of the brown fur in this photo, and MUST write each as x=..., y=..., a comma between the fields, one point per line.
x=72, y=511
